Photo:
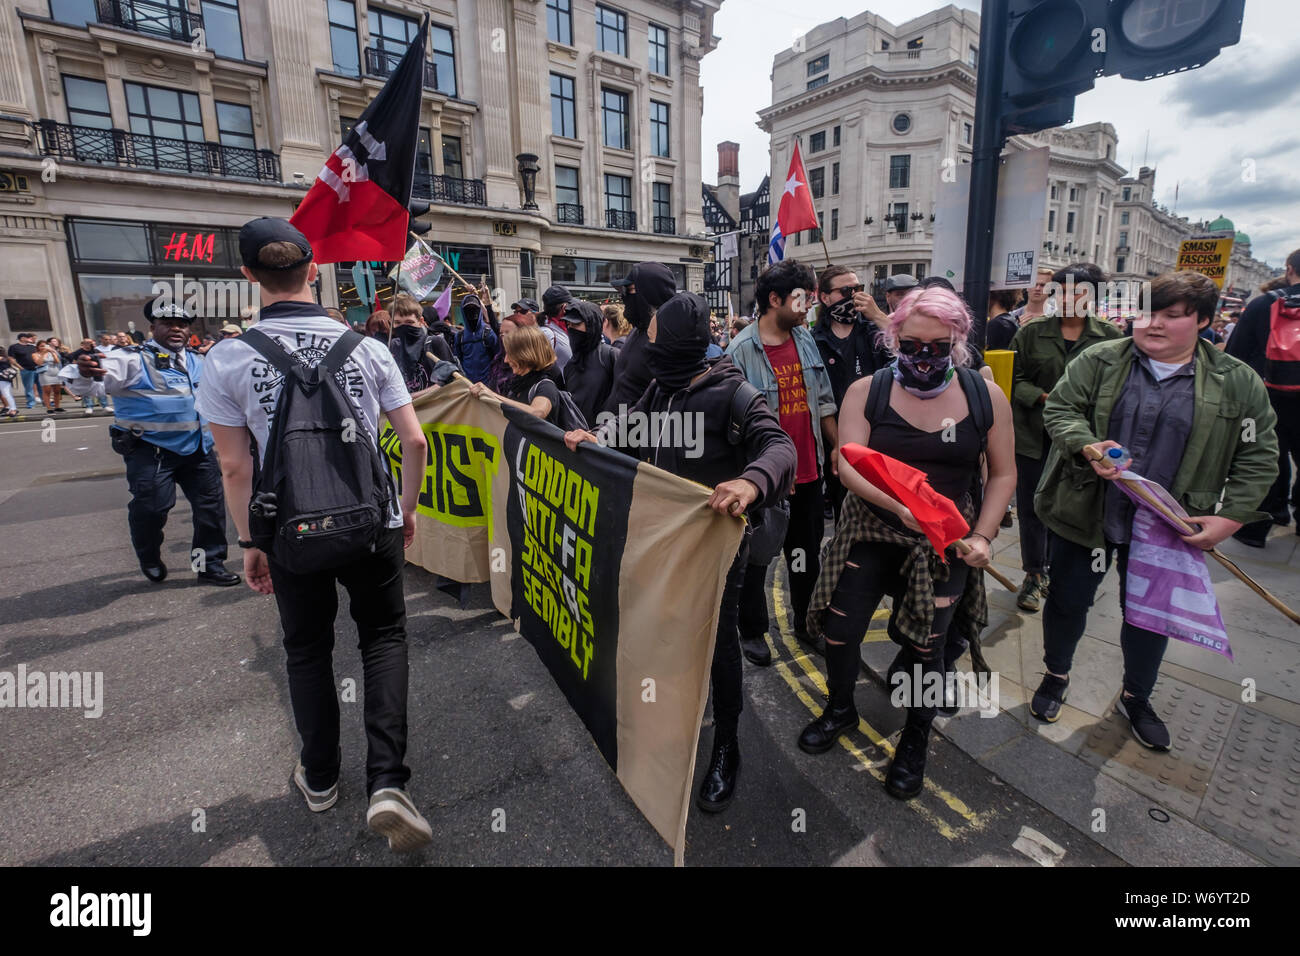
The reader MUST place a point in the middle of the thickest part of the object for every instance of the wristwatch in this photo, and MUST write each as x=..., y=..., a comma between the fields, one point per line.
x=245, y=544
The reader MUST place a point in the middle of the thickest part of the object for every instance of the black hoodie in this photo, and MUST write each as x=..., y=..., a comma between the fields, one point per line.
x=655, y=285
x=590, y=373
x=765, y=455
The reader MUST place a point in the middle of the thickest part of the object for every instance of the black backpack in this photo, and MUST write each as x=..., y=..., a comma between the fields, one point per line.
x=976, y=388
x=566, y=414
x=321, y=493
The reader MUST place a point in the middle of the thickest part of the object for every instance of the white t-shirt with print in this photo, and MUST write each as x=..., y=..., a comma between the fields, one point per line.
x=241, y=388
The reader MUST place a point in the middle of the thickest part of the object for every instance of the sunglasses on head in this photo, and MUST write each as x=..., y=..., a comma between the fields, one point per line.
x=940, y=349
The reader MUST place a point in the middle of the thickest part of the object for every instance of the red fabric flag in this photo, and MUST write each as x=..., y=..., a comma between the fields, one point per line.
x=938, y=516
x=379, y=305
x=796, y=212
x=357, y=207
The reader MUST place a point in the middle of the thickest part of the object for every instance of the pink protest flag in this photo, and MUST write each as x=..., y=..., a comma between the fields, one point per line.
x=443, y=305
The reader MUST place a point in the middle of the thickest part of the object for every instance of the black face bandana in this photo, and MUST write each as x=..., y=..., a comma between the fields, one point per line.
x=844, y=312
x=681, y=338
x=637, y=310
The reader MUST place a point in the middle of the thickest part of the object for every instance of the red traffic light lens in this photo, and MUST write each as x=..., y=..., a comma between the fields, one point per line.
x=1150, y=25
x=1048, y=37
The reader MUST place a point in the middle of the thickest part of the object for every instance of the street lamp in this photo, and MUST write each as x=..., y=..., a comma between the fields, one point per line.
x=528, y=176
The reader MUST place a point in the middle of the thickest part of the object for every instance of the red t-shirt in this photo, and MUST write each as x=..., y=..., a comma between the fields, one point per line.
x=796, y=419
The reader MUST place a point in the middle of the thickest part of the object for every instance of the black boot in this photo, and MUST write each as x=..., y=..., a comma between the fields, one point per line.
x=952, y=653
x=216, y=573
x=907, y=772
x=719, y=784
x=842, y=663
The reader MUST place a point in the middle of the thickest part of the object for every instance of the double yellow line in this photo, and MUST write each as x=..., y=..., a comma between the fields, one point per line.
x=970, y=820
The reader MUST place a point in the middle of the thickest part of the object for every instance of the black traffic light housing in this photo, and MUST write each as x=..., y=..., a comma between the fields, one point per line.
x=413, y=225
x=1150, y=38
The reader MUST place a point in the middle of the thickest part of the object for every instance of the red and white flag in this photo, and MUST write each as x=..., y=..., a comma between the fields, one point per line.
x=796, y=212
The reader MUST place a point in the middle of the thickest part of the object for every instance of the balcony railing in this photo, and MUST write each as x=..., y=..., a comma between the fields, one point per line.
x=569, y=212
x=665, y=225
x=175, y=20
x=384, y=62
x=116, y=147
x=450, y=189
x=618, y=219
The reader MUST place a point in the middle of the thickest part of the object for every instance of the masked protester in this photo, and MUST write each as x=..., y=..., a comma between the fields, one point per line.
x=590, y=372
x=878, y=547
x=746, y=476
x=646, y=287
x=477, y=342
x=413, y=346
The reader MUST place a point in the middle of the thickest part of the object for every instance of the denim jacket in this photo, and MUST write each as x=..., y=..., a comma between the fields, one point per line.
x=747, y=352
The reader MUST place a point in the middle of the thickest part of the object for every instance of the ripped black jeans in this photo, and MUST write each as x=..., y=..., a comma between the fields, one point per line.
x=874, y=569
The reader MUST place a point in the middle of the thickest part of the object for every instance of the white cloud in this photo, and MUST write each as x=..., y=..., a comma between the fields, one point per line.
x=1202, y=124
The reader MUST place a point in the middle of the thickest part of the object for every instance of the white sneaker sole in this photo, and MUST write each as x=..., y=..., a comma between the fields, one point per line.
x=1123, y=712
x=316, y=802
x=406, y=831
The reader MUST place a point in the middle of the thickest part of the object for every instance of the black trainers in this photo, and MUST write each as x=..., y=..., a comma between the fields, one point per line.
x=1006, y=521
x=1049, y=697
x=756, y=650
x=1148, y=729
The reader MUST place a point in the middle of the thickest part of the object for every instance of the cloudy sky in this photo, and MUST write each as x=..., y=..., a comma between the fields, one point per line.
x=1205, y=125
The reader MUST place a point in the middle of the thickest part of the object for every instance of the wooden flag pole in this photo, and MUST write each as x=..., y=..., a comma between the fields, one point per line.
x=1184, y=528
x=963, y=548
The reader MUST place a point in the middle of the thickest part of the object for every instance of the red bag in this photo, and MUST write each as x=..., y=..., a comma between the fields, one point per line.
x=1282, y=354
x=938, y=516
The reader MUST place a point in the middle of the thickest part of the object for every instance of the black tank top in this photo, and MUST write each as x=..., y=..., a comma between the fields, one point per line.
x=952, y=466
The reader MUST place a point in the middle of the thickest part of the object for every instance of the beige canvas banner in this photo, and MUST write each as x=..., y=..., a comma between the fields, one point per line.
x=613, y=570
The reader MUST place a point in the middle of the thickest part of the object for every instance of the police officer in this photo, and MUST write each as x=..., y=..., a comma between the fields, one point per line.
x=163, y=440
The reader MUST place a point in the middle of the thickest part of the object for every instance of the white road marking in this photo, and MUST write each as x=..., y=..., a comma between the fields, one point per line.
x=36, y=431
x=1038, y=848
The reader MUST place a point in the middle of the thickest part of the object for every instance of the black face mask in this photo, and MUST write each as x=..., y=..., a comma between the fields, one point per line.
x=682, y=336
x=637, y=311
x=844, y=312
x=673, y=366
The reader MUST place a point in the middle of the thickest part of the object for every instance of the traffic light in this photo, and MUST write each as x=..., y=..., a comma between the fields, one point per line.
x=1056, y=49
x=413, y=225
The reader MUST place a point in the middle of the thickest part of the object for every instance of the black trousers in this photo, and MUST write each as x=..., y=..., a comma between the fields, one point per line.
x=1282, y=494
x=152, y=473
x=726, y=675
x=308, y=605
x=802, y=547
x=1033, y=535
x=1076, y=572
x=835, y=491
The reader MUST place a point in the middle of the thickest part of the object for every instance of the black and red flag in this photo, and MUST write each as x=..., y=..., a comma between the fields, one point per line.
x=356, y=209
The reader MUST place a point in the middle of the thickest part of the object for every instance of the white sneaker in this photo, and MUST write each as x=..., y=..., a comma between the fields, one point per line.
x=90, y=411
x=318, y=801
x=393, y=815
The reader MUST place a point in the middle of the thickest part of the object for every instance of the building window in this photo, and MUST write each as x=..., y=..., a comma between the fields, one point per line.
x=1051, y=221
x=611, y=31
x=900, y=172
x=818, y=82
x=901, y=123
x=884, y=45
x=155, y=111
x=78, y=13
x=221, y=28
x=235, y=125
x=563, y=121
x=1120, y=263
x=1099, y=222
x=659, y=129
x=559, y=21
x=817, y=142
x=1127, y=193
x=566, y=185
x=1101, y=197
x=452, y=162
x=916, y=44
x=613, y=107
x=658, y=49
x=1123, y=219
x=920, y=271
x=899, y=212
x=1074, y=194
x=815, y=235
x=391, y=32
x=343, y=37
x=973, y=58
x=1123, y=238
x=1069, y=222
x=618, y=193
x=835, y=224
x=663, y=200
x=819, y=65
x=966, y=132
x=835, y=136
x=444, y=58
x=424, y=155
x=817, y=182
x=1054, y=193
x=87, y=102
x=835, y=179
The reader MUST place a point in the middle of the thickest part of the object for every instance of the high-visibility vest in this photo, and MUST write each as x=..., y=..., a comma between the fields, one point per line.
x=159, y=407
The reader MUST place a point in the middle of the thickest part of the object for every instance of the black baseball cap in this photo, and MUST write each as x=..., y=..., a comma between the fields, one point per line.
x=556, y=295
x=528, y=305
x=653, y=280
x=256, y=234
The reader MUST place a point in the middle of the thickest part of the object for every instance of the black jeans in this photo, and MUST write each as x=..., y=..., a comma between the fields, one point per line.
x=1034, y=556
x=803, y=543
x=153, y=474
x=308, y=605
x=726, y=675
x=1282, y=494
x=1076, y=572
x=835, y=490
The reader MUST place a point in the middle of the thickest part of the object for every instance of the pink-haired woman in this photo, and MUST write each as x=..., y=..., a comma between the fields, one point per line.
x=932, y=421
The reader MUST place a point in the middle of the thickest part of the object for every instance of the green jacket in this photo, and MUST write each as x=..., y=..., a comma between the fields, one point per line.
x=1040, y=362
x=1231, y=452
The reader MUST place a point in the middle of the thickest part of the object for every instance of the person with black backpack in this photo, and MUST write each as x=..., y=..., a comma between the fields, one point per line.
x=294, y=406
x=737, y=448
x=590, y=373
x=538, y=386
x=911, y=412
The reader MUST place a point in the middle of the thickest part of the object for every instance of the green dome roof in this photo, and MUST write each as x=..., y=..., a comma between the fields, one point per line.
x=1243, y=239
x=1222, y=224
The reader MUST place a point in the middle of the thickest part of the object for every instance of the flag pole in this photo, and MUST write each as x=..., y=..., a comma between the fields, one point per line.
x=963, y=548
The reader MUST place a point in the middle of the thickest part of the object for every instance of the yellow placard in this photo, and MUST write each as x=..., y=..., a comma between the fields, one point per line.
x=1206, y=256
x=1001, y=362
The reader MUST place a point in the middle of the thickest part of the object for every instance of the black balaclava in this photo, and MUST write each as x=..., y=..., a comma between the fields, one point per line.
x=655, y=285
x=584, y=342
x=470, y=307
x=682, y=335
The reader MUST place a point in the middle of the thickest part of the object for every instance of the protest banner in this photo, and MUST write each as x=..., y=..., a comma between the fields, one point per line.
x=420, y=270
x=1206, y=256
x=611, y=569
